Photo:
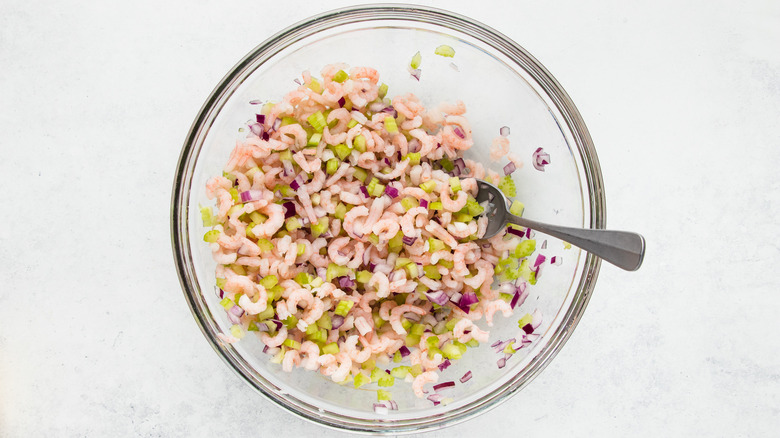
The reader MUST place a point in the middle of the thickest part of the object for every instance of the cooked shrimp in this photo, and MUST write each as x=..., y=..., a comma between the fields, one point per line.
x=493, y=307
x=421, y=380
x=291, y=359
x=311, y=354
x=275, y=213
x=345, y=364
x=274, y=341
x=397, y=312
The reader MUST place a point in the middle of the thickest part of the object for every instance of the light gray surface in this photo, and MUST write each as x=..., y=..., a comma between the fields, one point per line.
x=682, y=102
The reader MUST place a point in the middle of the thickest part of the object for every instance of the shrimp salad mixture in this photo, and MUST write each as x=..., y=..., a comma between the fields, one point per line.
x=347, y=236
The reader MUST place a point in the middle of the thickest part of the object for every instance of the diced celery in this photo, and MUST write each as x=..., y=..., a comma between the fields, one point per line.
x=286, y=191
x=376, y=373
x=461, y=346
x=238, y=269
x=450, y=351
x=221, y=282
x=344, y=307
x=397, y=357
x=315, y=86
x=400, y=372
x=252, y=327
x=312, y=329
x=383, y=395
x=237, y=331
x=359, y=143
x=317, y=121
x=433, y=342
x=378, y=321
x=278, y=357
x=372, y=184
x=379, y=189
x=432, y=272
x=401, y=262
x=428, y=186
x=506, y=297
x=439, y=329
x=390, y=125
x=332, y=348
x=517, y=208
x=363, y=276
x=416, y=61
x=290, y=322
x=566, y=245
x=316, y=282
x=473, y=207
x=451, y=324
x=301, y=249
x=406, y=324
x=462, y=217
x=325, y=321
x=289, y=121
x=342, y=151
x=211, y=236
x=341, y=210
x=507, y=186
x=258, y=217
x=208, y=217
x=445, y=51
x=320, y=227
x=269, y=281
x=446, y=263
x=525, y=248
x=435, y=206
x=435, y=244
x=386, y=380
x=332, y=166
x=509, y=350
x=409, y=203
x=455, y=184
x=360, y=174
x=415, y=370
x=302, y=278
x=417, y=329
x=295, y=345
x=383, y=91
x=414, y=158
x=473, y=343
x=335, y=271
x=314, y=140
x=433, y=351
x=278, y=291
x=446, y=164
x=267, y=313
x=526, y=273
x=235, y=209
x=265, y=245
x=352, y=123
x=227, y=303
x=292, y=223
x=340, y=76
x=360, y=380
x=411, y=340
x=525, y=320
x=412, y=270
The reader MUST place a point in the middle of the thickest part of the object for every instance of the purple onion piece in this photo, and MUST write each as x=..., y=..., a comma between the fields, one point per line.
x=237, y=310
x=342, y=102
x=466, y=377
x=439, y=297
x=444, y=365
x=456, y=297
x=277, y=124
x=424, y=203
x=289, y=209
x=435, y=398
x=220, y=293
x=376, y=107
x=364, y=191
x=515, y=232
x=540, y=158
x=404, y=351
x=266, y=136
x=260, y=118
x=544, y=245
x=509, y=168
x=336, y=321
x=416, y=73
x=504, y=131
x=528, y=329
x=443, y=385
x=458, y=131
x=408, y=240
x=233, y=318
x=255, y=102
x=501, y=363
x=257, y=129
x=539, y=260
x=346, y=282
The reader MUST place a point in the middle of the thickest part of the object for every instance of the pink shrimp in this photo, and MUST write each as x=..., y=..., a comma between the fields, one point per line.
x=462, y=230
x=275, y=213
x=408, y=105
x=327, y=363
x=350, y=347
x=477, y=170
x=459, y=331
x=457, y=109
x=292, y=358
x=459, y=258
x=311, y=354
x=366, y=300
x=499, y=148
x=345, y=364
x=381, y=283
x=386, y=229
x=257, y=306
x=329, y=289
x=493, y=307
x=334, y=250
x=437, y=231
x=316, y=258
x=307, y=166
x=316, y=183
x=385, y=308
x=314, y=311
x=274, y=341
x=340, y=172
x=216, y=184
x=357, y=259
x=397, y=312
x=399, y=170
x=421, y=380
x=448, y=203
x=360, y=92
x=298, y=296
x=351, y=198
x=427, y=141
x=484, y=274
x=349, y=221
x=408, y=221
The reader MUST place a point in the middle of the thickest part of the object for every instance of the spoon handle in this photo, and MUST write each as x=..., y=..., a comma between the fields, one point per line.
x=621, y=248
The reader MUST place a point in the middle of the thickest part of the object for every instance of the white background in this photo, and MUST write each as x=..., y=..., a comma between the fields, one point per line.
x=682, y=100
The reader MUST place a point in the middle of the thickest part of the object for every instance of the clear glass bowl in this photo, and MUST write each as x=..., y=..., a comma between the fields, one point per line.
x=501, y=84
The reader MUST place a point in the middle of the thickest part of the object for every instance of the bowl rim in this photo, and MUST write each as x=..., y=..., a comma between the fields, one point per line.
x=375, y=12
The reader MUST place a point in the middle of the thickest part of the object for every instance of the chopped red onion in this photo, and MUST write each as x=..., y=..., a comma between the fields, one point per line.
x=391, y=111
x=424, y=203
x=439, y=297
x=266, y=136
x=509, y=168
x=544, y=244
x=455, y=298
x=295, y=185
x=342, y=102
x=515, y=231
x=237, y=310
x=277, y=322
x=556, y=260
x=529, y=233
x=371, y=266
x=297, y=81
x=346, y=282
x=411, y=316
x=532, y=336
x=322, y=273
x=539, y=260
x=540, y=159
x=255, y=102
x=277, y=124
x=435, y=398
x=504, y=131
x=528, y=328
x=364, y=191
x=288, y=168
x=336, y=321
x=443, y=366
x=387, y=161
x=392, y=403
x=289, y=209
x=466, y=377
x=443, y=385
x=233, y=318
x=416, y=73
x=251, y=195
x=265, y=348
x=414, y=145
x=467, y=300
x=460, y=165
x=501, y=363
x=408, y=240
x=380, y=408
x=520, y=295
x=537, y=318
x=257, y=129
x=496, y=344
x=404, y=351
x=260, y=118
x=458, y=131
x=220, y=293
x=391, y=191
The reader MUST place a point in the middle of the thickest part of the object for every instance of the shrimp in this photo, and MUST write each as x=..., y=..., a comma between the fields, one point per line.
x=385, y=308
x=421, y=380
x=381, y=283
x=386, y=229
x=484, y=274
x=364, y=73
x=477, y=169
x=357, y=260
x=345, y=364
x=494, y=306
x=462, y=230
x=459, y=331
x=397, y=312
x=274, y=341
x=315, y=185
x=311, y=353
x=298, y=296
x=334, y=251
x=427, y=141
x=254, y=307
x=459, y=258
x=275, y=213
x=216, y=184
x=314, y=311
x=292, y=358
x=499, y=148
x=448, y=203
x=408, y=221
x=399, y=170
x=350, y=347
x=307, y=166
x=437, y=231
x=350, y=218
x=328, y=364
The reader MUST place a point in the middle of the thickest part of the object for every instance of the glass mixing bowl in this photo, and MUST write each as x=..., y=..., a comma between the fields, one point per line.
x=501, y=85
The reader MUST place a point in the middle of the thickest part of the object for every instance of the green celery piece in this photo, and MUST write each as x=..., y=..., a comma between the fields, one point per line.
x=446, y=51
x=416, y=61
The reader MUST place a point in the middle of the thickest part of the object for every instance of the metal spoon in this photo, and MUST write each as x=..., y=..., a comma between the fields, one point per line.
x=621, y=248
